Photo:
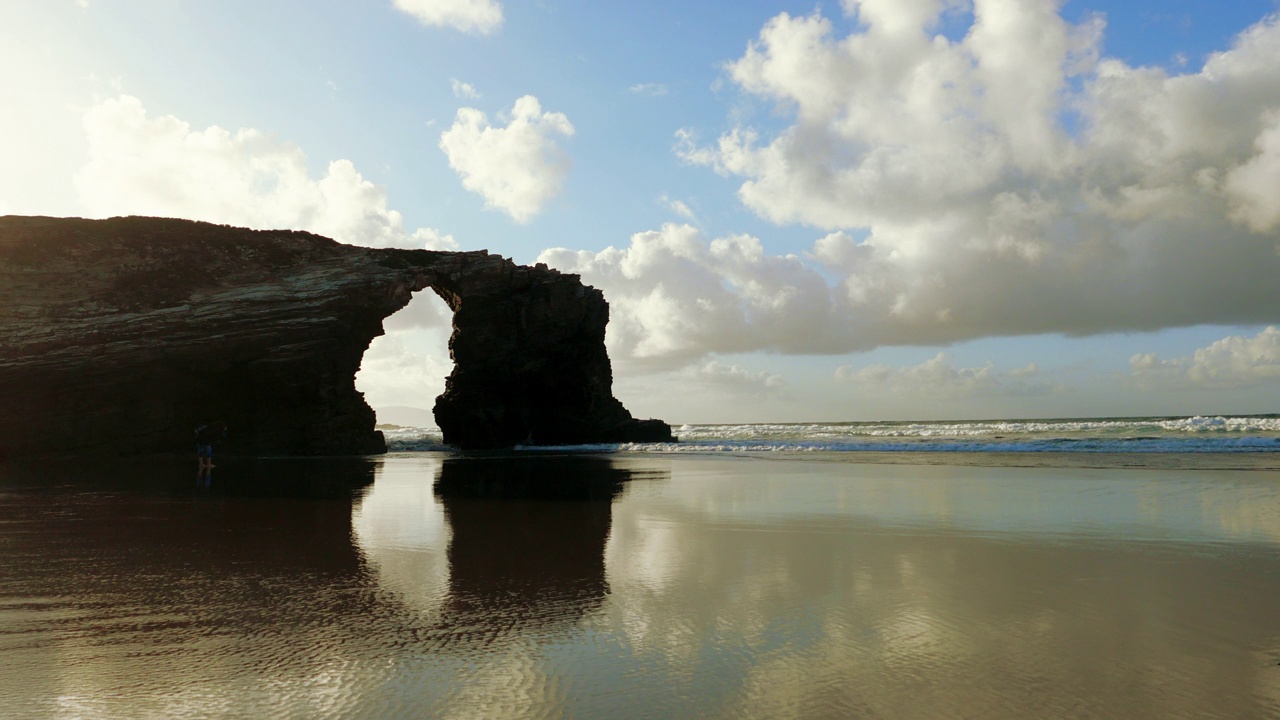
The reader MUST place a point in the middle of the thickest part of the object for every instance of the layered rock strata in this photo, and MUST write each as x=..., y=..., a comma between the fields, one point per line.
x=121, y=336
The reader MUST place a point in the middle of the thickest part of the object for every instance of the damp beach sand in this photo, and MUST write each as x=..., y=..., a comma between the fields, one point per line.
x=633, y=585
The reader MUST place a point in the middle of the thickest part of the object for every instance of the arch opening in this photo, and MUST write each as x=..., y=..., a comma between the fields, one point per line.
x=404, y=369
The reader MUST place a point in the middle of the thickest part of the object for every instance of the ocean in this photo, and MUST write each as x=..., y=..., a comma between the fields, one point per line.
x=1258, y=436
x=1100, y=568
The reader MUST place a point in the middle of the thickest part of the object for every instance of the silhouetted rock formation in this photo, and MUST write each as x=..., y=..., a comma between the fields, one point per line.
x=121, y=336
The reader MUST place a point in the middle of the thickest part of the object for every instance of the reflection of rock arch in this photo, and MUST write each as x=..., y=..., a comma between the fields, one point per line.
x=122, y=335
x=528, y=540
x=287, y=518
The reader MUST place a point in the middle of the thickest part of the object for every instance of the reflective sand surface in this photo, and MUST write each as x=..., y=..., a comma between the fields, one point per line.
x=630, y=586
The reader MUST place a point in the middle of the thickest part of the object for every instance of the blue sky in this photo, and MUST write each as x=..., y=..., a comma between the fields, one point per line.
x=854, y=210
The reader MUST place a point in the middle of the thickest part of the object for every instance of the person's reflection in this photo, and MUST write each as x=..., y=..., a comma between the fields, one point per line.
x=528, y=540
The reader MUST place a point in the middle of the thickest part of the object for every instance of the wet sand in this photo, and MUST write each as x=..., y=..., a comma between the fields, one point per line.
x=638, y=586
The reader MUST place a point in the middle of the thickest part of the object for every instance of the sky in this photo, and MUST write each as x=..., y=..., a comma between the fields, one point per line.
x=854, y=210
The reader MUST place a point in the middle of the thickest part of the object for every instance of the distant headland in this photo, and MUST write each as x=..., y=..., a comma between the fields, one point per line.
x=120, y=336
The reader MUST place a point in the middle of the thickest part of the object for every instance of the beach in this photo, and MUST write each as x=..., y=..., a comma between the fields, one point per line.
x=756, y=360
x=634, y=584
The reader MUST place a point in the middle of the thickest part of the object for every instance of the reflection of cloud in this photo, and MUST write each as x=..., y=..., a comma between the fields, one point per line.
x=1233, y=361
x=1244, y=516
x=809, y=611
x=401, y=533
x=788, y=589
x=514, y=684
x=652, y=558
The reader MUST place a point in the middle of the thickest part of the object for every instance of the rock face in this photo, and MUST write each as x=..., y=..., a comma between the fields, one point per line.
x=121, y=336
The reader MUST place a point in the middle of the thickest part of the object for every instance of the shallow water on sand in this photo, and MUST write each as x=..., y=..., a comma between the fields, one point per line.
x=633, y=585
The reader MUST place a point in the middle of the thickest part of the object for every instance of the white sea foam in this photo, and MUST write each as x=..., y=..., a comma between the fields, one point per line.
x=1103, y=428
x=1136, y=445
x=413, y=439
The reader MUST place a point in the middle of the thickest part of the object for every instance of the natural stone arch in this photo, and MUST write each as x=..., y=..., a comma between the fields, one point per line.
x=530, y=364
x=121, y=335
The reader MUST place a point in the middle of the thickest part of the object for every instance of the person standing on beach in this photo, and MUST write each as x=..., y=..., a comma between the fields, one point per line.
x=206, y=436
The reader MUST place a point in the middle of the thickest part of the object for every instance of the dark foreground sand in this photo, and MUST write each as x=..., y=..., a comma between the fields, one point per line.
x=639, y=586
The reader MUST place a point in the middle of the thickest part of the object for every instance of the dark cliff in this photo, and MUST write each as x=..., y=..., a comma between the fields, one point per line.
x=121, y=336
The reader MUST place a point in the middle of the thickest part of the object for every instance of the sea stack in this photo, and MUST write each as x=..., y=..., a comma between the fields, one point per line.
x=120, y=336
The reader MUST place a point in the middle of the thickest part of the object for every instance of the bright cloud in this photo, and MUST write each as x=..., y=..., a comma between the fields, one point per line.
x=140, y=165
x=674, y=297
x=649, y=89
x=1010, y=182
x=939, y=377
x=1233, y=361
x=463, y=90
x=395, y=370
x=679, y=207
x=1253, y=184
x=470, y=16
x=516, y=168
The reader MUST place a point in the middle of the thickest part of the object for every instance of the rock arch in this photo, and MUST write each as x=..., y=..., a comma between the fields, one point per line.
x=120, y=336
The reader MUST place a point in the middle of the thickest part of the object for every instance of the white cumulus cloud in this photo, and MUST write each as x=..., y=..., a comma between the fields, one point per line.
x=674, y=297
x=394, y=371
x=1234, y=361
x=470, y=16
x=139, y=165
x=463, y=90
x=679, y=207
x=1254, y=186
x=1013, y=181
x=516, y=168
